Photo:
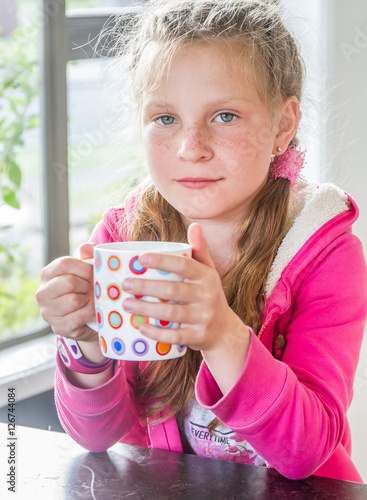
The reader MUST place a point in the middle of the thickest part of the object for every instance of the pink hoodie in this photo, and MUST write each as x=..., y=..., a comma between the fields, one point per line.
x=291, y=400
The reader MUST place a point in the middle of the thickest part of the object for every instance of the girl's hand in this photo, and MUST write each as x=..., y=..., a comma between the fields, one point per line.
x=207, y=322
x=66, y=299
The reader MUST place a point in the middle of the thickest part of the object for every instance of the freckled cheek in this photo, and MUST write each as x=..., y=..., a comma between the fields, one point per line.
x=155, y=145
x=237, y=152
x=154, y=152
x=258, y=138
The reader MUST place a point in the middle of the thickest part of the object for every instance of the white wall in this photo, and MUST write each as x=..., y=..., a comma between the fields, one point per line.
x=348, y=72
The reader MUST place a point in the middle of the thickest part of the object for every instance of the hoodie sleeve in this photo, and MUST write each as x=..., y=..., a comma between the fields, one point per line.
x=100, y=417
x=293, y=411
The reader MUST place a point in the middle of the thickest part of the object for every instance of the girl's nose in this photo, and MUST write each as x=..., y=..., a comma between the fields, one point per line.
x=195, y=145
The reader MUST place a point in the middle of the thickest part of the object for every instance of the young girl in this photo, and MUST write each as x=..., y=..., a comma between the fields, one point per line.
x=273, y=303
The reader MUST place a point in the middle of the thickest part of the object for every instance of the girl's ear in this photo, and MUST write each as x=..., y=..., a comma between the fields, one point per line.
x=287, y=124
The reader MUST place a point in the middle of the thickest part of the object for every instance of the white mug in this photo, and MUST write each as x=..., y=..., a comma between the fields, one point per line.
x=118, y=330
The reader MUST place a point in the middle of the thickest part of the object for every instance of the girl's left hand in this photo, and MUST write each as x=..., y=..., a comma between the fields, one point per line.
x=207, y=322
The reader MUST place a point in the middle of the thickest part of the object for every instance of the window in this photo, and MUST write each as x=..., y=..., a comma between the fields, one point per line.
x=21, y=197
x=45, y=209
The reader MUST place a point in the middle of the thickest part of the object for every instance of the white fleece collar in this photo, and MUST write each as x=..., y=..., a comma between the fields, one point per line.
x=310, y=207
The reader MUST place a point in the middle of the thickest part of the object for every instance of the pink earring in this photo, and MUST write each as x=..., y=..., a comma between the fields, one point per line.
x=287, y=165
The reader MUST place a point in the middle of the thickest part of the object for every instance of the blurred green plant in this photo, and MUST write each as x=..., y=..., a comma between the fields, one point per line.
x=19, y=86
x=18, y=306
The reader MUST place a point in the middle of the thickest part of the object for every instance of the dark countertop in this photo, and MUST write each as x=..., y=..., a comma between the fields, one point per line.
x=50, y=465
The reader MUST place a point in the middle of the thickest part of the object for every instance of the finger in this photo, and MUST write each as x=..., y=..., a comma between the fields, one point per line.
x=67, y=265
x=68, y=284
x=64, y=305
x=165, y=290
x=174, y=313
x=60, y=286
x=179, y=336
x=200, y=249
x=57, y=309
x=87, y=250
x=183, y=266
x=74, y=323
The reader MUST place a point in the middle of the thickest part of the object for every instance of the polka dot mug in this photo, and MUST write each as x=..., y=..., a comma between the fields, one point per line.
x=118, y=331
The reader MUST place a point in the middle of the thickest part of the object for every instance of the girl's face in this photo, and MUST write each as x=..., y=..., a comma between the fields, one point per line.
x=207, y=136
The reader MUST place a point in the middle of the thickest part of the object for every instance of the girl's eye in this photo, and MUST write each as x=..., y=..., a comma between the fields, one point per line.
x=165, y=120
x=225, y=117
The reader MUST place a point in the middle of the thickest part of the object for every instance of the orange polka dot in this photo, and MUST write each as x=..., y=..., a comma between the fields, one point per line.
x=103, y=344
x=162, y=348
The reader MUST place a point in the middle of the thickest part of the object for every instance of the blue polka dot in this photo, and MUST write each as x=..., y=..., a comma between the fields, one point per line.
x=135, y=266
x=140, y=347
x=118, y=346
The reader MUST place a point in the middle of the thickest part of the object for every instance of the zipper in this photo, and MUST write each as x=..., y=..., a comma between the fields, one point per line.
x=265, y=325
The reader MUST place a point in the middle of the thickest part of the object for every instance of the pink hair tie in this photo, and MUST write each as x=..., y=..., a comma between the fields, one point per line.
x=288, y=165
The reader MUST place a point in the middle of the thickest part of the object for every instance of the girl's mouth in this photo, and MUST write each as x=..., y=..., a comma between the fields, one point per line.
x=197, y=182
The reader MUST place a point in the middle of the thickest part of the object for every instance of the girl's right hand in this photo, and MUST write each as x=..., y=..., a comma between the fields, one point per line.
x=66, y=298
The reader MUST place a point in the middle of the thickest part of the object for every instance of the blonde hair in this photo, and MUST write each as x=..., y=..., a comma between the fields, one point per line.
x=256, y=34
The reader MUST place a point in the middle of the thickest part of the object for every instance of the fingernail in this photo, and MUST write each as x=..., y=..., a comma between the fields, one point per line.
x=145, y=329
x=144, y=259
x=128, y=305
x=127, y=284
